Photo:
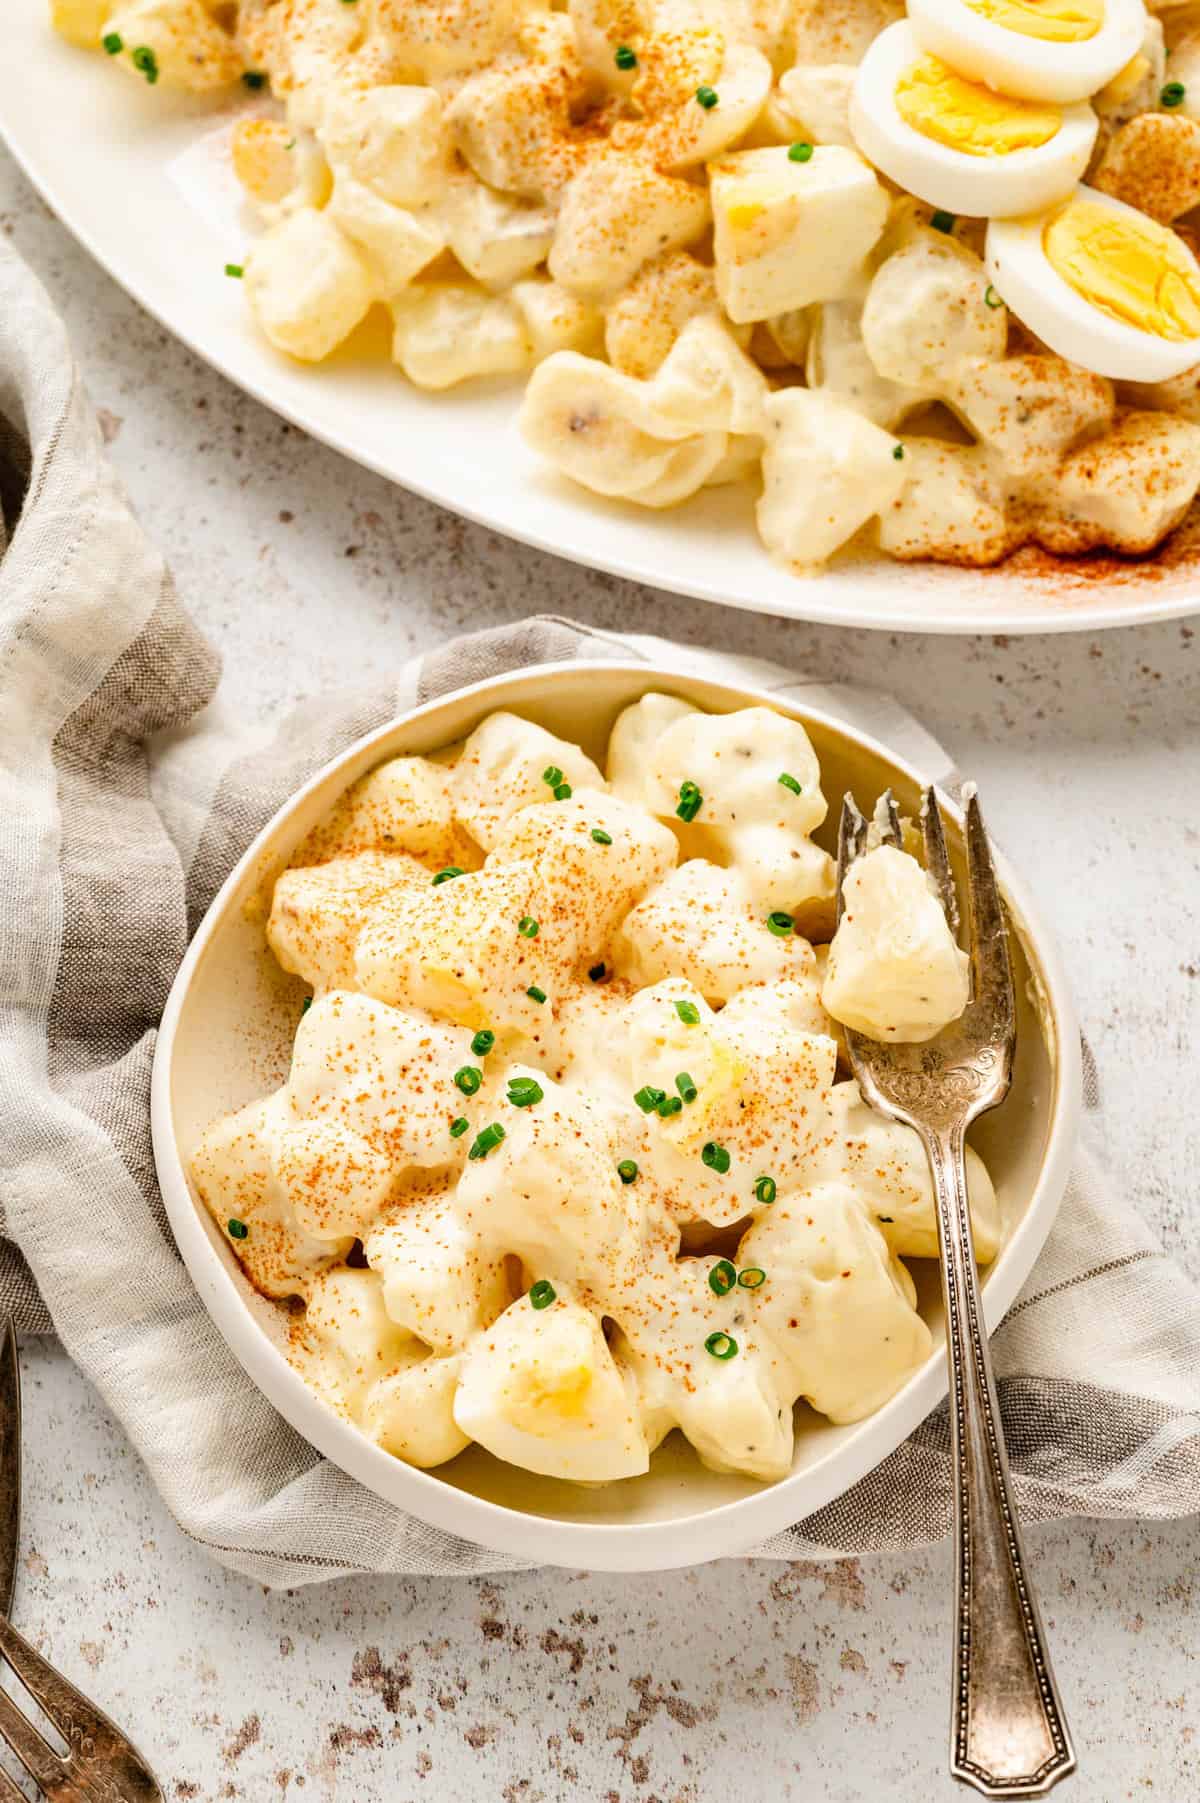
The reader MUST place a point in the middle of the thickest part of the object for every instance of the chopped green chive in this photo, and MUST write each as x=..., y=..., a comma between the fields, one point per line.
x=991, y=298
x=686, y=1087
x=707, y=97
x=721, y=1346
x=535, y=994
x=236, y=1229
x=780, y=924
x=627, y=1170
x=800, y=153
x=235, y=270
x=690, y=800
x=715, y=1157
x=600, y=836
x=487, y=1141
x=468, y=1078
x=527, y=926
x=448, y=875
x=254, y=78
x=306, y=1004
x=943, y=222
x=523, y=1092
x=625, y=57
x=145, y=61
x=688, y=1013
x=113, y=42
x=898, y=453
x=722, y=1277
x=552, y=775
x=752, y=1278
x=648, y=1097
x=563, y=791
x=542, y=1294
x=789, y=782
x=483, y=1042
x=668, y=1106
x=597, y=973
x=1173, y=93
x=765, y=1189
x=458, y=1127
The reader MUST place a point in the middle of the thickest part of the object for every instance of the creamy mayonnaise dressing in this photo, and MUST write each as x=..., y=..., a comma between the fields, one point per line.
x=563, y=1160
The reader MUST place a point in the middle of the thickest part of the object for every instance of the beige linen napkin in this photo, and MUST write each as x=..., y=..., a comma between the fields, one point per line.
x=124, y=799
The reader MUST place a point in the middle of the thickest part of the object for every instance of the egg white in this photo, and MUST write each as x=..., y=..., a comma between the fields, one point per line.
x=1032, y=288
x=1024, y=181
x=606, y=1442
x=1029, y=68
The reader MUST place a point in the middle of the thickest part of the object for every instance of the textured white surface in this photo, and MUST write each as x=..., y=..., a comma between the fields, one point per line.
x=734, y=1682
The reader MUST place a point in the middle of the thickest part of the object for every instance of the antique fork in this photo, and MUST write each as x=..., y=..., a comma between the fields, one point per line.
x=100, y=1764
x=1009, y=1736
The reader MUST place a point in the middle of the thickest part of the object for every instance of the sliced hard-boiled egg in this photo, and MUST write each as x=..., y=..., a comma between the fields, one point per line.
x=1058, y=50
x=956, y=144
x=1105, y=286
x=541, y=1389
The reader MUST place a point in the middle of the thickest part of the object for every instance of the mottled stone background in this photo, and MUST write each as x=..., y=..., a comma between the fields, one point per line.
x=736, y=1682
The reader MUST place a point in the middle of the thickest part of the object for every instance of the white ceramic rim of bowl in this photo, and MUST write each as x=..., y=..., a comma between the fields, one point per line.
x=729, y=1528
x=461, y=449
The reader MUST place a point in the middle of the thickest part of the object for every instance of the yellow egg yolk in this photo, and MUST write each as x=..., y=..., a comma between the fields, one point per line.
x=1125, y=82
x=1129, y=267
x=754, y=197
x=1054, y=21
x=544, y=1394
x=966, y=116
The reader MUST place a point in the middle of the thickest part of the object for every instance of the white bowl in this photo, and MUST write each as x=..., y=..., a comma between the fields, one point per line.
x=226, y=1038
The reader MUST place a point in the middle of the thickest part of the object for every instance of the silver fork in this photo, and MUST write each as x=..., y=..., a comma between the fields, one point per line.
x=1008, y=1733
x=100, y=1765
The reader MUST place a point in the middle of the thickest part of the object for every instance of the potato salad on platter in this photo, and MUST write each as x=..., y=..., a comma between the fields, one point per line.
x=924, y=277
x=567, y=1157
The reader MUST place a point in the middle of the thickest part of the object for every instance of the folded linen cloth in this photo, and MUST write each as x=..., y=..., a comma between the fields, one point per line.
x=125, y=796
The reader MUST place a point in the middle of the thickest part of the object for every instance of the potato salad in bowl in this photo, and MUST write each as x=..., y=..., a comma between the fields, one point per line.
x=565, y=1158
x=923, y=276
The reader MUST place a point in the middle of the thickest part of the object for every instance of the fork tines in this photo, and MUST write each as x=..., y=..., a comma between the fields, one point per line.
x=852, y=839
x=937, y=860
x=991, y=970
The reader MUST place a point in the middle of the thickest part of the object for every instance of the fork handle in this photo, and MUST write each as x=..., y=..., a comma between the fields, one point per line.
x=1009, y=1736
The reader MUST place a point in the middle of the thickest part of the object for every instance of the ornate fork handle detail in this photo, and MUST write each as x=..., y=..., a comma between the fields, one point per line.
x=101, y=1764
x=1008, y=1732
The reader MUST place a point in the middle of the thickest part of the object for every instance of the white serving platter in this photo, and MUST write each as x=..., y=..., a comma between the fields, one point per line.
x=137, y=175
